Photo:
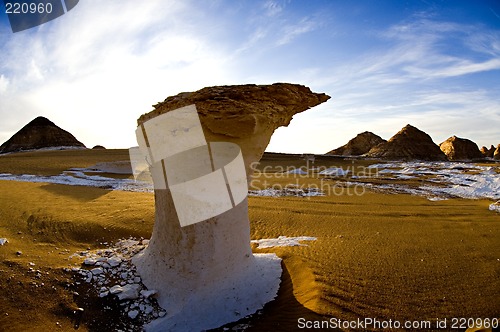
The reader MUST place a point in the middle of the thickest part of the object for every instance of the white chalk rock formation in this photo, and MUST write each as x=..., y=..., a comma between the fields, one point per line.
x=205, y=273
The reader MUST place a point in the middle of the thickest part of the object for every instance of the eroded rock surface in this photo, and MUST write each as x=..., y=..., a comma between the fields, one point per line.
x=243, y=114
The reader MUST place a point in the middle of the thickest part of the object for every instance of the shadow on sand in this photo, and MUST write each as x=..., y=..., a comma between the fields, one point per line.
x=282, y=314
x=80, y=193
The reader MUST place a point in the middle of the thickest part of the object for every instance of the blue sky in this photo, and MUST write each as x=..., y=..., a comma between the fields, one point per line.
x=96, y=69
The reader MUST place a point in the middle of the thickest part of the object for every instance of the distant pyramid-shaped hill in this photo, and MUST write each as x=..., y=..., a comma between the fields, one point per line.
x=359, y=145
x=40, y=133
x=456, y=148
x=409, y=143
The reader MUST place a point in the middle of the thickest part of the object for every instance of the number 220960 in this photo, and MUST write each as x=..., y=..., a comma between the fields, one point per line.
x=28, y=8
x=466, y=323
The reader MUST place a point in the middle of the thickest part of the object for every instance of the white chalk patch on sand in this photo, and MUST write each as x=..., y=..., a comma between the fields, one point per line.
x=217, y=304
x=77, y=177
x=441, y=180
x=464, y=180
x=436, y=199
x=334, y=171
x=111, y=273
x=212, y=307
x=495, y=207
x=298, y=171
x=283, y=241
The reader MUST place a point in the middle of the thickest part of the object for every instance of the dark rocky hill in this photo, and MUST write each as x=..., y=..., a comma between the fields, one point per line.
x=40, y=133
x=456, y=148
x=359, y=145
x=409, y=143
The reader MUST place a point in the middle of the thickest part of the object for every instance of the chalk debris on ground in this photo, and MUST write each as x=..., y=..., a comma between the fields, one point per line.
x=283, y=241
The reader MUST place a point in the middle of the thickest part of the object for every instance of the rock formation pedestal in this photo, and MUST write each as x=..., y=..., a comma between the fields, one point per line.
x=205, y=273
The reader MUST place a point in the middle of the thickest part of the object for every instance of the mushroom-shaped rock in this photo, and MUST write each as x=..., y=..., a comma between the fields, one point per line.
x=205, y=273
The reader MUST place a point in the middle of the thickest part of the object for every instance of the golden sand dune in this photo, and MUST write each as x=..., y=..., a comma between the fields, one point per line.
x=377, y=255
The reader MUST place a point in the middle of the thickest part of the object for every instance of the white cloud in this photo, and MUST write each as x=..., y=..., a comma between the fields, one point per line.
x=487, y=42
x=414, y=79
x=95, y=70
x=4, y=83
x=432, y=59
x=415, y=52
x=34, y=72
x=466, y=67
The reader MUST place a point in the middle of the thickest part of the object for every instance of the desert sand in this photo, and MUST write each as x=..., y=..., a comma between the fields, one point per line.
x=380, y=255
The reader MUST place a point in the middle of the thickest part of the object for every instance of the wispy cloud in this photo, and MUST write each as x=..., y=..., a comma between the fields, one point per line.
x=487, y=42
x=495, y=13
x=274, y=7
x=429, y=42
x=106, y=73
x=416, y=78
x=252, y=41
x=420, y=51
x=289, y=32
x=458, y=68
x=104, y=63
